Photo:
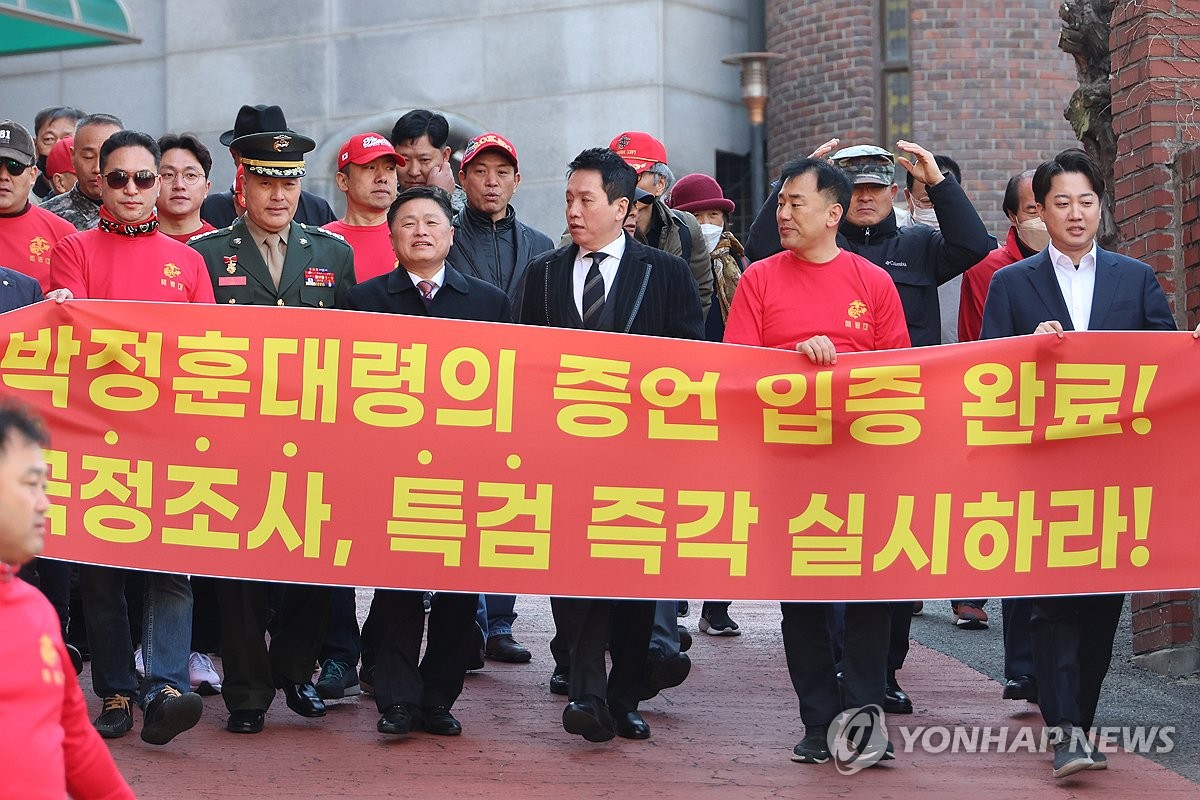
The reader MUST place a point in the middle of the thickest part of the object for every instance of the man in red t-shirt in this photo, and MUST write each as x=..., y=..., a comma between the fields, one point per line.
x=184, y=169
x=50, y=749
x=127, y=258
x=367, y=175
x=820, y=300
x=27, y=232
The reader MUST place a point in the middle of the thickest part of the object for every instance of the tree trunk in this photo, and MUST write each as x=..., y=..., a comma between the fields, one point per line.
x=1085, y=36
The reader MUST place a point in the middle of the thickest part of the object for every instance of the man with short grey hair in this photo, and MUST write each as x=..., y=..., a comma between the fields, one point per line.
x=81, y=205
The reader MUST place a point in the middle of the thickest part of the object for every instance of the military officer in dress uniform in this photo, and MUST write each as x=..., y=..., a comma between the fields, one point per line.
x=267, y=258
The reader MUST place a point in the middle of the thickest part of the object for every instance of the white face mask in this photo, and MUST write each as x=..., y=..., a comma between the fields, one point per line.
x=925, y=216
x=1032, y=232
x=712, y=234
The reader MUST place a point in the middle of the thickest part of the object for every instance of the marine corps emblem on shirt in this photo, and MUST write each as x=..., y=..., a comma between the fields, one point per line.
x=281, y=142
x=51, y=664
x=172, y=271
x=230, y=264
x=37, y=246
x=856, y=309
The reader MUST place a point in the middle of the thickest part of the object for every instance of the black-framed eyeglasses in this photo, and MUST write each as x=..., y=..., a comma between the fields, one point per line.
x=189, y=178
x=13, y=166
x=119, y=179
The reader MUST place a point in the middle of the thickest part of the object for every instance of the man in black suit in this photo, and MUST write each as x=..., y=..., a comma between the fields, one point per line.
x=1073, y=285
x=606, y=281
x=411, y=695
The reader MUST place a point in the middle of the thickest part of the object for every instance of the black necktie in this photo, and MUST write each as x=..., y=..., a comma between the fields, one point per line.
x=593, y=293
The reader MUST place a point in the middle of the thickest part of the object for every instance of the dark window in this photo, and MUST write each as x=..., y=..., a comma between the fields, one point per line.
x=733, y=173
x=895, y=85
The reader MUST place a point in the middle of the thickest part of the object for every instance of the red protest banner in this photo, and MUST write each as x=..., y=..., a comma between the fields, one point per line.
x=377, y=450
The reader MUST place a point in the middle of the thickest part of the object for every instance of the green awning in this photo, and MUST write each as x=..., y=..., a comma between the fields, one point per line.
x=35, y=26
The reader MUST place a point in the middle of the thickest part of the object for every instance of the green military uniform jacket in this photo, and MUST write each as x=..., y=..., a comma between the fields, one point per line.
x=317, y=271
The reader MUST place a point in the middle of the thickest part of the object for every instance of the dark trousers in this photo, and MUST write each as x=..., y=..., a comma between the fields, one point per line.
x=53, y=578
x=1072, y=648
x=591, y=625
x=901, y=627
x=343, y=642
x=252, y=670
x=1018, y=646
x=401, y=675
x=808, y=645
x=206, y=615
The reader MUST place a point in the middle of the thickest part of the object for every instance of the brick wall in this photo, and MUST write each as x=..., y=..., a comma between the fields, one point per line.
x=826, y=85
x=1156, y=116
x=989, y=89
x=989, y=85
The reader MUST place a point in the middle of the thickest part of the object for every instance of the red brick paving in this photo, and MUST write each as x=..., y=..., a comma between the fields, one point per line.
x=726, y=733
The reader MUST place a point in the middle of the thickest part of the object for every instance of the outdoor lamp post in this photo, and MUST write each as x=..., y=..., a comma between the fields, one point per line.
x=754, y=95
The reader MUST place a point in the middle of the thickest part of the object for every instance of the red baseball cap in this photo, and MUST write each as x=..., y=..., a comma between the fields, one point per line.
x=59, y=158
x=640, y=150
x=489, y=141
x=363, y=148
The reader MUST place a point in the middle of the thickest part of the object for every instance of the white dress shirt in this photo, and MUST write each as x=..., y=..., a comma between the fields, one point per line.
x=615, y=250
x=1077, y=284
x=437, y=280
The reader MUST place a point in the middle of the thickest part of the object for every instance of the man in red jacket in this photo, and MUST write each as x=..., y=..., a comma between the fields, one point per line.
x=51, y=749
x=1026, y=237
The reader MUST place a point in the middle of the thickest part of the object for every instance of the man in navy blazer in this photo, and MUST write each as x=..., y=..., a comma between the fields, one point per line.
x=414, y=693
x=17, y=290
x=605, y=281
x=1073, y=285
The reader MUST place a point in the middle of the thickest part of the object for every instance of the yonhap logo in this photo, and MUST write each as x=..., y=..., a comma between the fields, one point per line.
x=858, y=739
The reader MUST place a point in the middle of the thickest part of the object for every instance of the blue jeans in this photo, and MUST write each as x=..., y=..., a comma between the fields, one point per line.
x=166, y=631
x=496, y=614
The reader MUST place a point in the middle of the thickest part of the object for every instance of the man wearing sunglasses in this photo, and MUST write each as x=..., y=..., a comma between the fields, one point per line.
x=128, y=258
x=27, y=232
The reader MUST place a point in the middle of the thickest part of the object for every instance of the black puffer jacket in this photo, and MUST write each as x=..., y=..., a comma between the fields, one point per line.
x=918, y=258
x=485, y=249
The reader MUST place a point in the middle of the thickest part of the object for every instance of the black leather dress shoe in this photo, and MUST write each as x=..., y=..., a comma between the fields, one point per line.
x=685, y=639
x=438, y=720
x=560, y=681
x=245, y=721
x=504, y=647
x=304, y=700
x=589, y=719
x=399, y=720
x=630, y=725
x=1022, y=687
x=895, y=701
x=667, y=672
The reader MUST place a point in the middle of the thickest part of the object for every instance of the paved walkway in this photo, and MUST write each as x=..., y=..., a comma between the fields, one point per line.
x=726, y=733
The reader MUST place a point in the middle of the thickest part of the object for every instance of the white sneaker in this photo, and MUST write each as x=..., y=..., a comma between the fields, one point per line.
x=138, y=663
x=202, y=675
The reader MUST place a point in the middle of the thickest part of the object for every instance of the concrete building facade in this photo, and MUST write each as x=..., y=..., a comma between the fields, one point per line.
x=555, y=76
